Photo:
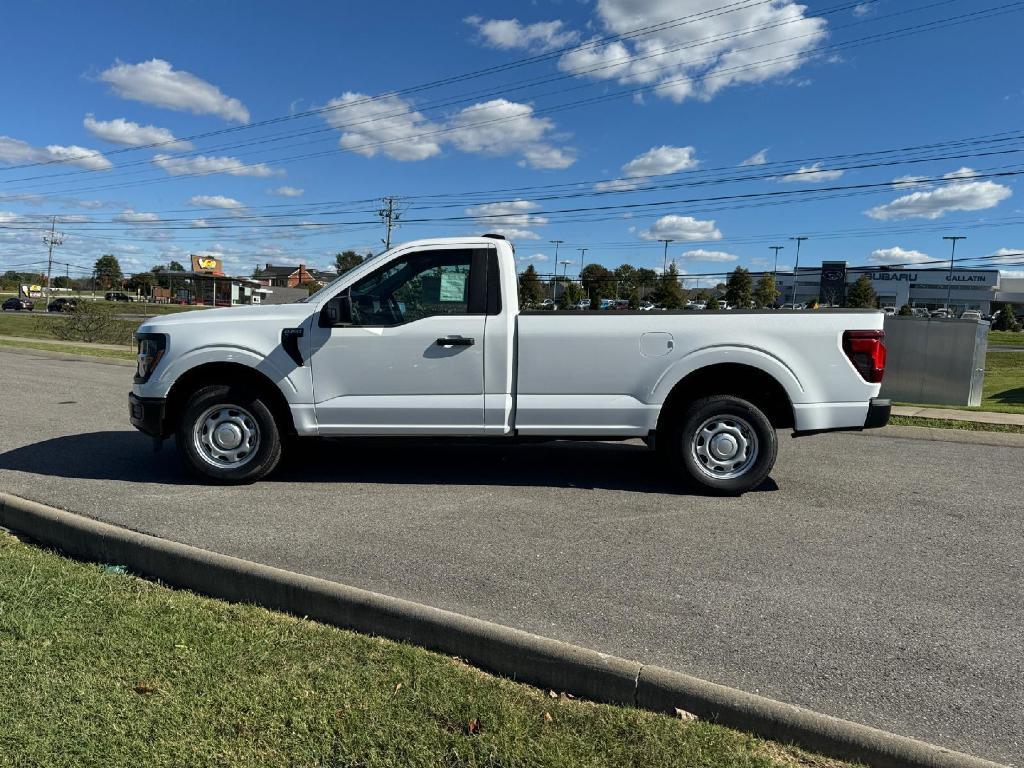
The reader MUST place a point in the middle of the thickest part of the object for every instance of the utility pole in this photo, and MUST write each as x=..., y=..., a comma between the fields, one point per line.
x=390, y=217
x=949, y=278
x=664, y=266
x=556, y=243
x=796, y=268
x=51, y=240
x=776, y=248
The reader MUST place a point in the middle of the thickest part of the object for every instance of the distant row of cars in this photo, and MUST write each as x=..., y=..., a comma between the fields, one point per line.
x=22, y=303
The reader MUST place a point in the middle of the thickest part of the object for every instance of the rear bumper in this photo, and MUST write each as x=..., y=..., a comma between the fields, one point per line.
x=879, y=410
x=147, y=414
x=877, y=415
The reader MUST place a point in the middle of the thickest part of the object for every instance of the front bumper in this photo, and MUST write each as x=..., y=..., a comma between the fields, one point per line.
x=147, y=414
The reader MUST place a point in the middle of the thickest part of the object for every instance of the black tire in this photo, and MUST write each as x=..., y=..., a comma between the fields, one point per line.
x=734, y=419
x=237, y=405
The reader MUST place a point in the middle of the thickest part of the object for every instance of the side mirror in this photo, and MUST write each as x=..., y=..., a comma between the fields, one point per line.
x=337, y=311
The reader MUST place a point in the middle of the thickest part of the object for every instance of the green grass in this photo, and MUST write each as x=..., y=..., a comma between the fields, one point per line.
x=27, y=324
x=996, y=338
x=101, y=668
x=973, y=426
x=71, y=348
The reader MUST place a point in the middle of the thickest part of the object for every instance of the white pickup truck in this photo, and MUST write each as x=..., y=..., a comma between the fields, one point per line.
x=428, y=339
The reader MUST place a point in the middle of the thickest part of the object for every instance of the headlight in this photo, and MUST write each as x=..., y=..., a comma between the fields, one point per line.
x=151, y=348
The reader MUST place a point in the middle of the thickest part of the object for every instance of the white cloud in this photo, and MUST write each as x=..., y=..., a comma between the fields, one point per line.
x=391, y=126
x=701, y=57
x=202, y=164
x=135, y=217
x=657, y=161
x=537, y=258
x=682, y=228
x=897, y=255
x=862, y=9
x=957, y=194
x=502, y=127
x=511, y=34
x=17, y=151
x=216, y=201
x=512, y=218
x=909, y=182
x=286, y=192
x=129, y=134
x=758, y=158
x=701, y=255
x=157, y=82
x=811, y=173
x=8, y=217
x=1007, y=256
x=386, y=124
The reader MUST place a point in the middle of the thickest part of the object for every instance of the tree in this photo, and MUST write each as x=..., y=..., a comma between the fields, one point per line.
x=739, y=288
x=61, y=281
x=767, y=291
x=1007, y=320
x=861, y=295
x=141, y=281
x=626, y=277
x=712, y=305
x=634, y=299
x=175, y=266
x=670, y=293
x=571, y=295
x=646, y=281
x=108, y=272
x=529, y=287
x=906, y=311
x=346, y=260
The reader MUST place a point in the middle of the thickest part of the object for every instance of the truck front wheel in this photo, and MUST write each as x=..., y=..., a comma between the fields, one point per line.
x=725, y=444
x=228, y=434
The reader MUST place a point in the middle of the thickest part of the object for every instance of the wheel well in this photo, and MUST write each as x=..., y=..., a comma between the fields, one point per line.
x=226, y=373
x=752, y=384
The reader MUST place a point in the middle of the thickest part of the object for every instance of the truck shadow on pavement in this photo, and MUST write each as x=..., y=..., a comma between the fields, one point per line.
x=129, y=457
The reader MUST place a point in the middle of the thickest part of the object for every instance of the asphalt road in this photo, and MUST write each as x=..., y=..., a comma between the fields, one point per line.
x=873, y=578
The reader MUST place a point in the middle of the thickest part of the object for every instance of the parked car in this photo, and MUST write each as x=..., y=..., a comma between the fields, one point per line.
x=889, y=310
x=18, y=303
x=920, y=312
x=547, y=304
x=351, y=359
x=62, y=304
x=970, y=314
x=794, y=306
x=942, y=314
x=583, y=304
x=117, y=296
x=646, y=306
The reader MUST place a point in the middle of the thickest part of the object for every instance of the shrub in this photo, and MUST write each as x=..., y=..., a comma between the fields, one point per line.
x=94, y=322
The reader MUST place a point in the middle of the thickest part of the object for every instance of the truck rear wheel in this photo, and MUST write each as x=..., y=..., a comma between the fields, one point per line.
x=725, y=444
x=228, y=434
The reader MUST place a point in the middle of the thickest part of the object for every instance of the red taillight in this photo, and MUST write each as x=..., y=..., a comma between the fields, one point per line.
x=866, y=350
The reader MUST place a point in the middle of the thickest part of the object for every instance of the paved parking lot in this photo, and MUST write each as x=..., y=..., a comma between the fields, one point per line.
x=873, y=578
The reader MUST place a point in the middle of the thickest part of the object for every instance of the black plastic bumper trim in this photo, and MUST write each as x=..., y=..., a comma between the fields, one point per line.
x=147, y=414
x=878, y=413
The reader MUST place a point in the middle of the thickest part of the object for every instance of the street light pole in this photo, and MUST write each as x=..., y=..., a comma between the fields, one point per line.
x=796, y=268
x=949, y=277
x=556, y=244
x=582, y=251
x=776, y=248
x=664, y=266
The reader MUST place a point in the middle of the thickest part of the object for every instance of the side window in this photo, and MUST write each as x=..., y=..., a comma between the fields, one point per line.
x=413, y=287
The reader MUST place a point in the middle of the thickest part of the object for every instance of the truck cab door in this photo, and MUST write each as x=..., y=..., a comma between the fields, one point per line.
x=401, y=351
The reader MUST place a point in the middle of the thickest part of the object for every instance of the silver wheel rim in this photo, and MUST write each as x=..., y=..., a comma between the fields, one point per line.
x=724, y=447
x=226, y=436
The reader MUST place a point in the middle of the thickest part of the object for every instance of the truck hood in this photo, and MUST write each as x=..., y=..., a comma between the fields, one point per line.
x=282, y=315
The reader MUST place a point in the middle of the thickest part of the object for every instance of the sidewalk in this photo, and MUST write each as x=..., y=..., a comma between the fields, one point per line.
x=952, y=414
x=118, y=347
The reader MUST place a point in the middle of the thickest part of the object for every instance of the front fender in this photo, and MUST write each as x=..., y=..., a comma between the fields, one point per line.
x=291, y=379
x=735, y=354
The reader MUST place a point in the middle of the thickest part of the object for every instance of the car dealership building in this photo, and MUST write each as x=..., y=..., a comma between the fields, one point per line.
x=895, y=286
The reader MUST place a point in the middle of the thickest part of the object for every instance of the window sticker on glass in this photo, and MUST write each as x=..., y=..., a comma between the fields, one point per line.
x=453, y=286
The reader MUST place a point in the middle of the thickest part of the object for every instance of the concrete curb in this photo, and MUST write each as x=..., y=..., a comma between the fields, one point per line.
x=510, y=652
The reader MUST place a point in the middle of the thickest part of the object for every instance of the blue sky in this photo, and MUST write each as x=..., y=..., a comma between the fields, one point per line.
x=674, y=112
